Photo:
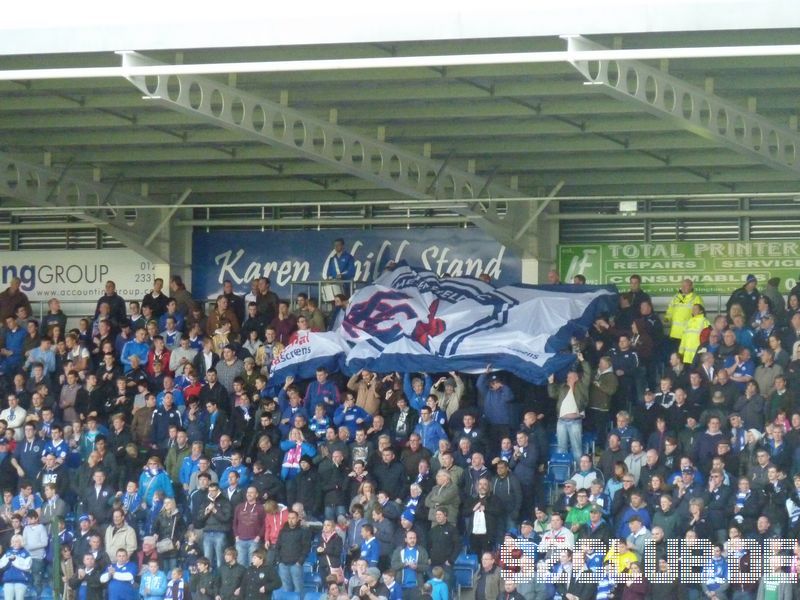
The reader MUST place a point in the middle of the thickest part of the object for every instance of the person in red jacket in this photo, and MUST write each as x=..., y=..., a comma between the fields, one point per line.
x=275, y=516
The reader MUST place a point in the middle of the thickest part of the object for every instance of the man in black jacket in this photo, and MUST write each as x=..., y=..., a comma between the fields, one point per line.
x=87, y=577
x=492, y=512
x=305, y=489
x=115, y=303
x=444, y=544
x=215, y=516
x=294, y=543
x=334, y=483
x=98, y=498
x=391, y=476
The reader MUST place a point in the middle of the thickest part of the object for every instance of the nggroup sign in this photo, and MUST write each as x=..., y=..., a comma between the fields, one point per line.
x=80, y=274
x=715, y=267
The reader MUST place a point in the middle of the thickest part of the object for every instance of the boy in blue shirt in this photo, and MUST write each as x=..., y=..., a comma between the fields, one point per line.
x=439, y=590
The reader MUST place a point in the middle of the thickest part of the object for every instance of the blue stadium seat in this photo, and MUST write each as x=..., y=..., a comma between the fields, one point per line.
x=284, y=595
x=312, y=582
x=465, y=569
x=560, y=466
x=589, y=443
x=312, y=557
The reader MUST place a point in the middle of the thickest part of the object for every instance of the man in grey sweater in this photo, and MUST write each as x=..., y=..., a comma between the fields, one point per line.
x=35, y=539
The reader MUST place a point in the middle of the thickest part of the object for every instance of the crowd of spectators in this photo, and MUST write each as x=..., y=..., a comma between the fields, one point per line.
x=146, y=453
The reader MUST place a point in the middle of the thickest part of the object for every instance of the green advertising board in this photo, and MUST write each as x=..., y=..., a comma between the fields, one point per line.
x=715, y=267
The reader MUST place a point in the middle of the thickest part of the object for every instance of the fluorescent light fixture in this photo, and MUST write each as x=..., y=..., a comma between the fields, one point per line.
x=446, y=60
x=628, y=206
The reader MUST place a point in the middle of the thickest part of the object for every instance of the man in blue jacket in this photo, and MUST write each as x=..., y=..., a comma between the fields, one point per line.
x=11, y=356
x=137, y=346
x=497, y=398
x=322, y=391
x=429, y=431
x=341, y=265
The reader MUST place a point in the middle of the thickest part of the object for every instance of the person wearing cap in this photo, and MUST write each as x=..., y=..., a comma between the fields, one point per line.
x=596, y=528
x=745, y=296
x=497, y=398
x=685, y=489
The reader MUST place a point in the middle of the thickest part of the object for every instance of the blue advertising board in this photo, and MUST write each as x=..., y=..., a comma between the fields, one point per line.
x=286, y=256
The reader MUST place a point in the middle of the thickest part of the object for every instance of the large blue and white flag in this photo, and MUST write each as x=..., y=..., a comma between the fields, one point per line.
x=413, y=321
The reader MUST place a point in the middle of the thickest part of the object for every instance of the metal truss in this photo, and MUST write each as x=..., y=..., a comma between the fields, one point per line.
x=91, y=202
x=690, y=107
x=386, y=165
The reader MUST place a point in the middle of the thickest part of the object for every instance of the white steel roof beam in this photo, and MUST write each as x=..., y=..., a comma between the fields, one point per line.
x=382, y=164
x=690, y=107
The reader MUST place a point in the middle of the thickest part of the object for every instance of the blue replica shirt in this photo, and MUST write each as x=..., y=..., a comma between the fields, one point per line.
x=743, y=370
x=60, y=449
x=409, y=556
x=32, y=502
x=121, y=585
x=349, y=417
x=179, y=321
x=371, y=551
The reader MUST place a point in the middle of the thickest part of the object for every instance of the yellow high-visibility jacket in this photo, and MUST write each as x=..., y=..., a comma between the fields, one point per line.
x=690, y=341
x=679, y=312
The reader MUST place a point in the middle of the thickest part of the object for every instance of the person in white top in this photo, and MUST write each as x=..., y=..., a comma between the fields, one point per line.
x=14, y=416
x=557, y=538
